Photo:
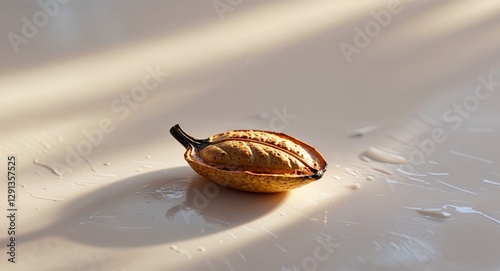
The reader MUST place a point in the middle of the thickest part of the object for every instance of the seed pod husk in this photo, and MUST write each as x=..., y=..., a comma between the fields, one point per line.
x=253, y=160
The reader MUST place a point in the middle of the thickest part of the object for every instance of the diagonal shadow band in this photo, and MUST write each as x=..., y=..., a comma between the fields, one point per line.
x=157, y=207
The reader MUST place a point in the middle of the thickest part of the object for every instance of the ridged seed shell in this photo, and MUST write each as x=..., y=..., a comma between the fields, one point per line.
x=253, y=160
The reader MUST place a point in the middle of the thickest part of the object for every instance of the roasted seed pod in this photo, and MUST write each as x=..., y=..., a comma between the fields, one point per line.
x=253, y=160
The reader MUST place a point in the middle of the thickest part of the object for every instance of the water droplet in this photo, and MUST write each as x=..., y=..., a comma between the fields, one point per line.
x=351, y=171
x=201, y=249
x=438, y=213
x=355, y=186
x=383, y=156
x=106, y=164
x=382, y=170
x=363, y=131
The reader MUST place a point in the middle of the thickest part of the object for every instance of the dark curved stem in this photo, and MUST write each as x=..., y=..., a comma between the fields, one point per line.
x=187, y=140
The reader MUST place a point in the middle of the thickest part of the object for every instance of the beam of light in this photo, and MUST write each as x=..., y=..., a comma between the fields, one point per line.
x=112, y=71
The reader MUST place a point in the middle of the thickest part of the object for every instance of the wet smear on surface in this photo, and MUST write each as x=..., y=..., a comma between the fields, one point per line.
x=470, y=210
x=281, y=248
x=352, y=171
x=51, y=169
x=447, y=210
x=181, y=251
x=472, y=157
x=38, y=197
x=363, y=131
x=383, y=156
x=355, y=186
x=456, y=187
x=382, y=170
x=490, y=182
x=438, y=213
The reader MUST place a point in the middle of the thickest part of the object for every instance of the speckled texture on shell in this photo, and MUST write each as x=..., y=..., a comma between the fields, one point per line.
x=247, y=181
x=256, y=161
x=250, y=156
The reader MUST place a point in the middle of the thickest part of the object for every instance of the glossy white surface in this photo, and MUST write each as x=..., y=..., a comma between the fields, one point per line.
x=86, y=104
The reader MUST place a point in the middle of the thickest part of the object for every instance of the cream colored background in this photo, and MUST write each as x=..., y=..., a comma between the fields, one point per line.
x=133, y=204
